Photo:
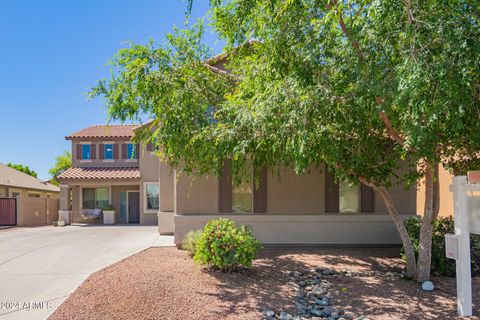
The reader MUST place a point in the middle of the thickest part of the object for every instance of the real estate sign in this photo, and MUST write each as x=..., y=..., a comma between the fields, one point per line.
x=466, y=197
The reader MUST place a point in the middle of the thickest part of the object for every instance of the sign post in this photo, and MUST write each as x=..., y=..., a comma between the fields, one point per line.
x=460, y=189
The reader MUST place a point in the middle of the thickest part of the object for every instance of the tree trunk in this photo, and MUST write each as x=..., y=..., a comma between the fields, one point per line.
x=397, y=220
x=429, y=216
x=402, y=230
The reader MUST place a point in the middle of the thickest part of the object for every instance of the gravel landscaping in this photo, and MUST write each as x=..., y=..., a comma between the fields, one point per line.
x=164, y=283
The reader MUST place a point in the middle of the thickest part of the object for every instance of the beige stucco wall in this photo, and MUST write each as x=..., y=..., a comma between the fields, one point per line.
x=446, y=197
x=149, y=172
x=287, y=194
x=8, y=192
x=290, y=193
x=167, y=203
x=199, y=197
x=295, y=211
x=167, y=177
x=304, y=229
x=3, y=192
x=36, y=211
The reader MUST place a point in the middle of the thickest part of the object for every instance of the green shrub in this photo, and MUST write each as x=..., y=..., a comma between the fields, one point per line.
x=190, y=241
x=441, y=265
x=226, y=246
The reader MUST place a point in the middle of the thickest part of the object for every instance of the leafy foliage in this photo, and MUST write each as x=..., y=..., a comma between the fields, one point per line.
x=22, y=168
x=442, y=266
x=173, y=85
x=310, y=91
x=62, y=163
x=190, y=241
x=357, y=84
x=226, y=246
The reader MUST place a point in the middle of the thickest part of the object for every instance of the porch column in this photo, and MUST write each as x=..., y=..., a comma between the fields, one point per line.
x=65, y=209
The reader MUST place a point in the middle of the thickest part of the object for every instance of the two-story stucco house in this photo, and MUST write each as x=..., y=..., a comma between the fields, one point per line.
x=108, y=168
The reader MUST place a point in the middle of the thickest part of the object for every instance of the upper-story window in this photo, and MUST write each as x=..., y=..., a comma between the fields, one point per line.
x=86, y=151
x=131, y=151
x=108, y=151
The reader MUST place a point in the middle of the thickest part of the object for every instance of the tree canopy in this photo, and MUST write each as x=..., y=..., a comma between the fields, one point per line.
x=22, y=168
x=359, y=85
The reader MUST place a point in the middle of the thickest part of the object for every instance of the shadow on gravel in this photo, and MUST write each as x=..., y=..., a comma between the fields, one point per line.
x=377, y=297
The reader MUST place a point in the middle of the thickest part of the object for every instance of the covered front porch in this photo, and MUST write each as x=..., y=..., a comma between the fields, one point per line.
x=92, y=194
x=89, y=201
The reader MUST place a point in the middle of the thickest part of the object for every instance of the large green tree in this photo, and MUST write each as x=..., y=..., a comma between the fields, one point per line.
x=382, y=91
x=22, y=168
x=62, y=163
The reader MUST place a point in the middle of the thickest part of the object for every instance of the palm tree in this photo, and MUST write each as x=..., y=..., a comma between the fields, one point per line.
x=62, y=163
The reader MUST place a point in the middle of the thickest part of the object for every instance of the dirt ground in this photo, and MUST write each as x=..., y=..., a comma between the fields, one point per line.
x=164, y=283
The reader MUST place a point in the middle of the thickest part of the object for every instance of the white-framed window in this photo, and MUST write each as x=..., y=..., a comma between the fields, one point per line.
x=349, y=197
x=152, y=197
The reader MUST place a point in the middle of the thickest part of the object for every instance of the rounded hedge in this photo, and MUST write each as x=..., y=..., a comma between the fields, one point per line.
x=226, y=246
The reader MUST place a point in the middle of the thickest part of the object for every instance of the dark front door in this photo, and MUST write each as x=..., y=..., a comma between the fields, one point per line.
x=133, y=207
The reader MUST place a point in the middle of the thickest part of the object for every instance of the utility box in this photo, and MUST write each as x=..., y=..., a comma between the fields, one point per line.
x=451, y=246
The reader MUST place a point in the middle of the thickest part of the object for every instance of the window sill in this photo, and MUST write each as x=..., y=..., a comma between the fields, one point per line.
x=85, y=161
x=152, y=211
x=108, y=160
x=131, y=160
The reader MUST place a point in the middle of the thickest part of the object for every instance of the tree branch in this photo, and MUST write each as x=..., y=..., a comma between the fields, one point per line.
x=411, y=18
x=348, y=34
x=392, y=133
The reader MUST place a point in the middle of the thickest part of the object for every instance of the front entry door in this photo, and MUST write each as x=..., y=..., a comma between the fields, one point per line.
x=133, y=207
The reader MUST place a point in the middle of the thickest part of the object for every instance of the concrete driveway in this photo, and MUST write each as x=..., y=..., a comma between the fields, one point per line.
x=40, y=267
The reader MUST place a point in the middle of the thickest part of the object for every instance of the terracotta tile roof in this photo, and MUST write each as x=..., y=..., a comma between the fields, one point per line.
x=95, y=173
x=14, y=178
x=105, y=131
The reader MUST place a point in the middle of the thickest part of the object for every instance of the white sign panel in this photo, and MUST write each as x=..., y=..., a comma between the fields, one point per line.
x=474, y=214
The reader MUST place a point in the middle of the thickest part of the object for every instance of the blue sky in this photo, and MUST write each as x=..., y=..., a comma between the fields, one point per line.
x=52, y=52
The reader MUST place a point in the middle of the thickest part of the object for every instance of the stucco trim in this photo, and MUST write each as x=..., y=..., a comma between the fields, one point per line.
x=304, y=229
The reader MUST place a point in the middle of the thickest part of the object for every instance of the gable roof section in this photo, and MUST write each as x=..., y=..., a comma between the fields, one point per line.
x=103, y=173
x=14, y=178
x=105, y=131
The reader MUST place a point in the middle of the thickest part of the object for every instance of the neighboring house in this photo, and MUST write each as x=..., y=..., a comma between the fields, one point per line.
x=109, y=169
x=26, y=200
x=14, y=184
